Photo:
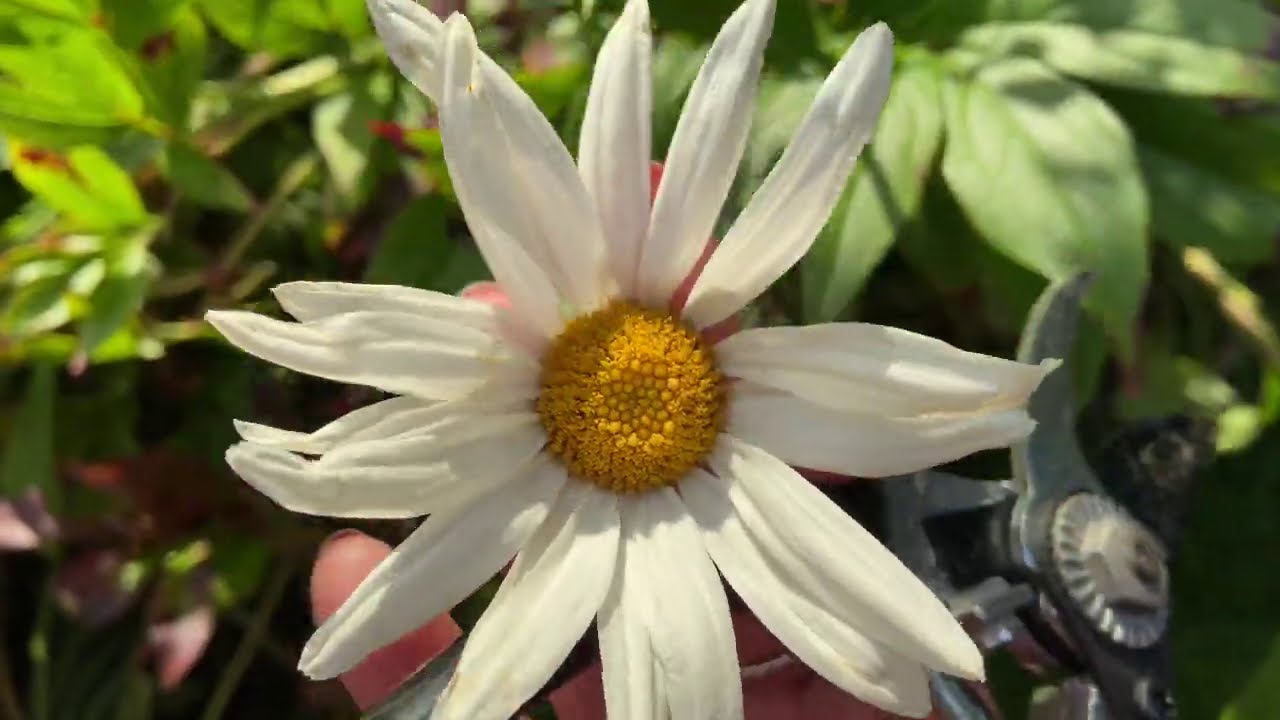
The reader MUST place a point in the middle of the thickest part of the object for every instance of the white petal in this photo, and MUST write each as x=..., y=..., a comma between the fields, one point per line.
x=705, y=152
x=439, y=443
x=413, y=37
x=320, y=441
x=396, y=352
x=687, y=613
x=879, y=370
x=615, y=148
x=306, y=300
x=545, y=604
x=785, y=214
x=844, y=567
x=629, y=672
x=394, y=478
x=516, y=181
x=813, y=436
x=837, y=650
x=444, y=560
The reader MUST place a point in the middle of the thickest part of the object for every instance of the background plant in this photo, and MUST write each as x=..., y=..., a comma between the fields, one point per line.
x=163, y=157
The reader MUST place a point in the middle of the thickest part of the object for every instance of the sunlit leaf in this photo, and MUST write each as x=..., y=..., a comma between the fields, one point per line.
x=85, y=184
x=1142, y=60
x=44, y=95
x=284, y=27
x=340, y=127
x=37, y=306
x=1241, y=25
x=1047, y=174
x=74, y=11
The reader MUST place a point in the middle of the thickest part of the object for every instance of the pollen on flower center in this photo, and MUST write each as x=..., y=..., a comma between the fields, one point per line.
x=631, y=398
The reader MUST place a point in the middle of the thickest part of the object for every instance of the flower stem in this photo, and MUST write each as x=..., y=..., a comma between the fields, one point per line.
x=250, y=642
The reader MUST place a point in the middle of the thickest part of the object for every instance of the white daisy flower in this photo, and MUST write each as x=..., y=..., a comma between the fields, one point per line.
x=591, y=432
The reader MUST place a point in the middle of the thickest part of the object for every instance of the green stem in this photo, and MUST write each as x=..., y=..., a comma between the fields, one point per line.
x=250, y=642
x=38, y=651
x=293, y=178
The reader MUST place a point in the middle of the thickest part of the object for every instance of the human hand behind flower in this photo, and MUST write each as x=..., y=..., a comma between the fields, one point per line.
x=772, y=690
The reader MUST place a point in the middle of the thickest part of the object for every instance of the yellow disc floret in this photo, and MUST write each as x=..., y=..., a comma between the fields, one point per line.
x=631, y=398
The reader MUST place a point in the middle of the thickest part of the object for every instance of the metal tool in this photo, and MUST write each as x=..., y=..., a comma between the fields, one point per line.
x=1066, y=572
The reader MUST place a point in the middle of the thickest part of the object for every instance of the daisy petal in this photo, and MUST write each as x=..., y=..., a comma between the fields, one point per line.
x=629, y=671
x=322, y=440
x=834, y=648
x=785, y=214
x=516, y=181
x=413, y=37
x=830, y=555
x=307, y=301
x=544, y=605
x=685, y=605
x=878, y=370
x=866, y=444
x=614, y=150
x=393, y=478
x=705, y=151
x=437, y=566
x=399, y=353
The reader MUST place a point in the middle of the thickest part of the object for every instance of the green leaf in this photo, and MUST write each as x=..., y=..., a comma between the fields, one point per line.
x=884, y=192
x=553, y=89
x=1046, y=172
x=86, y=185
x=225, y=112
x=340, y=128
x=74, y=11
x=120, y=294
x=781, y=104
x=1261, y=694
x=283, y=27
x=1191, y=206
x=1132, y=58
x=414, y=248
x=172, y=63
x=349, y=17
x=1239, y=147
x=29, y=454
x=133, y=22
x=205, y=180
x=1242, y=25
x=239, y=564
x=794, y=36
x=37, y=306
x=66, y=88
x=675, y=64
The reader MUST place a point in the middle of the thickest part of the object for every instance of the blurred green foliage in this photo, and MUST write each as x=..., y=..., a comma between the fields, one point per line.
x=162, y=157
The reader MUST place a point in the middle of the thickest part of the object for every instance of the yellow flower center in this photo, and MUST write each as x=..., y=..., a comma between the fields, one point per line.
x=631, y=399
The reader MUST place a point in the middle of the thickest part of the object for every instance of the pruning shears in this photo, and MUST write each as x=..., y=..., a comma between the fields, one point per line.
x=1066, y=565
